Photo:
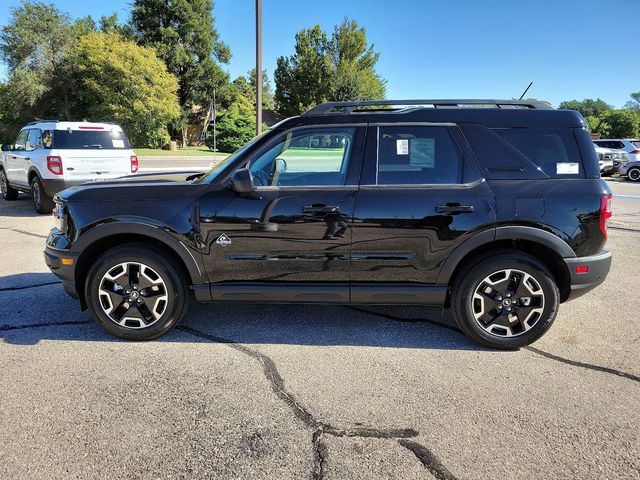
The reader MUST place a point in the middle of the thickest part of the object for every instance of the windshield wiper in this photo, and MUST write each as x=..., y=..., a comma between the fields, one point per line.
x=96, y=145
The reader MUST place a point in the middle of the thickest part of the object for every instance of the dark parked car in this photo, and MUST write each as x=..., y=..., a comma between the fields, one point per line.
x=497, y=212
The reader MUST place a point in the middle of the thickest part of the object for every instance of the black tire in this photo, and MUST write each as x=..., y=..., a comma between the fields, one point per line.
x=633, y=174
x=473, y=295
x=41, y=202
x=8, y=193
x=131, y=328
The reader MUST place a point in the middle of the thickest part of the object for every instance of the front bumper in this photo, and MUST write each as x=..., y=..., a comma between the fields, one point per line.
x=62, y=263
x=598, y=268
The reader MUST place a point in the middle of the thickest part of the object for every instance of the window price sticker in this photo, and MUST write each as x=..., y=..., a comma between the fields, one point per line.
x=567, y=168
x=402, y=146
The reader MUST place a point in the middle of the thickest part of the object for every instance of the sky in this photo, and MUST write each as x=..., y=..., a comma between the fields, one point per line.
x=569, y=49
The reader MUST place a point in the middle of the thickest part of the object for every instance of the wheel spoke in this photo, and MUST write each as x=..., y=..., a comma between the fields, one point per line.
x=119, y=312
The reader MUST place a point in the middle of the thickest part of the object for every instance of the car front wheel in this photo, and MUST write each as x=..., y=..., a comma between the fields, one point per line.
x=505, y=301
x=8, y=193
x=634, y=174
x=136, y=293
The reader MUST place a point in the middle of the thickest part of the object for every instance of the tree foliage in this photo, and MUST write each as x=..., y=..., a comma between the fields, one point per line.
x=233, y=129
x=128, y=84
x=36, y=46
x=183, y=35
x=323, y=69
x=606, y=121
x=587, y=107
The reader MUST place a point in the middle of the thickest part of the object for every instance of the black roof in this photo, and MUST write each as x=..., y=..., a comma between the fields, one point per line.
x=492, y=113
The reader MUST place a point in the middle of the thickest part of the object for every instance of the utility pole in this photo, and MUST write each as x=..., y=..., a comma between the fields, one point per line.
x=258, y=66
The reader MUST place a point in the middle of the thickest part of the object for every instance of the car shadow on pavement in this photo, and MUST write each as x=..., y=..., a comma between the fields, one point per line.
x=22, y=207
x=33, y=308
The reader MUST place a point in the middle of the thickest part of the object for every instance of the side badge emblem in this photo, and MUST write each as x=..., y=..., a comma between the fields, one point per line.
x=223, y=240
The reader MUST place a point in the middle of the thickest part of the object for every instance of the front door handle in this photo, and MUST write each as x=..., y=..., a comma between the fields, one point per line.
x=320, y=210
x=453, y=208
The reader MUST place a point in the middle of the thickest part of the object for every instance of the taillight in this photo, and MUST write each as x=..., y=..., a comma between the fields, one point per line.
x=634, y=152
x=54, y=165
x=605, y=213
x=134, y=164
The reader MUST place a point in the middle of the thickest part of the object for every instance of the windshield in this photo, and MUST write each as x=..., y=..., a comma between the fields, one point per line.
x=212, y=174
x=87, y=139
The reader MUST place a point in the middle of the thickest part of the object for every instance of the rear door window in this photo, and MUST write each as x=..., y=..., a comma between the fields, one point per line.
x=553, y=150
x=90, y=139
x=419, y=155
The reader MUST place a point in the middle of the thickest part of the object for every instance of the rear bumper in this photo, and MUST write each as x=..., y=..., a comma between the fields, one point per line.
x=598, y=268
x=56, y=185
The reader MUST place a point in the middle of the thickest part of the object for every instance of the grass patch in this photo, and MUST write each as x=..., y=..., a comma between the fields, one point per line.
x=181, y=152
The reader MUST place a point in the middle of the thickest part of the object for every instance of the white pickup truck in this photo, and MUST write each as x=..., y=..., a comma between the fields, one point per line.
x=49, y=156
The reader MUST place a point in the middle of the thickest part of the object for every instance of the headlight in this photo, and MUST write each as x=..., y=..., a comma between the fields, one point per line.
x=60, y=215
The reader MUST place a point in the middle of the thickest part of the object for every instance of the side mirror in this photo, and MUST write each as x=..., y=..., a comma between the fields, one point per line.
x=6, y=148
x=242, y=181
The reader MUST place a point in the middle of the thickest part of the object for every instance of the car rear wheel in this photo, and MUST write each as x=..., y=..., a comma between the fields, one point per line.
x=8, y=193
x=136, y=293
x=634, y=174
x=41, y=202
x=505, y=301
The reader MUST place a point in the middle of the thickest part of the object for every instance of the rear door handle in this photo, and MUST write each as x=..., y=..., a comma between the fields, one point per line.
x=454, y=208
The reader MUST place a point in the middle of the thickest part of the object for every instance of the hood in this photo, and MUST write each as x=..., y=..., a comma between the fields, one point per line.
x=148, y=186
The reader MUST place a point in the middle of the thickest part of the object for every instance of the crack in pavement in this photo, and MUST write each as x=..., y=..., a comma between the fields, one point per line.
x=320, y=428
x=6, y=328
x=24, y=287
x=551, y=356
x=428, y=459
x=24, y=232
x=589, y=366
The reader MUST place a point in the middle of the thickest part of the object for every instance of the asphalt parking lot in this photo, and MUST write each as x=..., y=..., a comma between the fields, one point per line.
x=255, y=391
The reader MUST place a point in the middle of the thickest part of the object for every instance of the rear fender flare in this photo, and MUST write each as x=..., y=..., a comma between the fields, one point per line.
x=486, y=237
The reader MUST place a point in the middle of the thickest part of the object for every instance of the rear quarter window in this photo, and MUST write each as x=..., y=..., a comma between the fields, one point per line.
x=553, y=150
x=90, y=139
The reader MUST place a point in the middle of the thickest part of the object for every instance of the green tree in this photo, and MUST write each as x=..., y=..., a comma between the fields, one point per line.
x=128, y=84
x=302, y=80
x=588, y=107
x=634, y=103
x=233, y=130
x=621, y=124
x=353, y=64
x=324, y=69
x=35, y=45
x=184, y=36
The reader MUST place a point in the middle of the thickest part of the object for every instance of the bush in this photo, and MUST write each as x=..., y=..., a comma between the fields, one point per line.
x=232, y=131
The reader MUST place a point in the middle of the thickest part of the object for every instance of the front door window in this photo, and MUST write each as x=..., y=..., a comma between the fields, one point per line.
x=307, y=157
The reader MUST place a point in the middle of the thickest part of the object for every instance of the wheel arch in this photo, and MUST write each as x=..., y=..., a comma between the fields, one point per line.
x=33, y=172
x=540, y=244
x=94, y=243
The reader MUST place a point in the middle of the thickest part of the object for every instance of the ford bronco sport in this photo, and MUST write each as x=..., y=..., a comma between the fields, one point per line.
x=49, y=156
x=495, y=209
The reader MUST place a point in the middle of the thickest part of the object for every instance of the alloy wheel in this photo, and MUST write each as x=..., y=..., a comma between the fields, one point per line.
x=4, y=188
x=35, y=192
x=133, y=295
x=508, y=303
x=634, y=174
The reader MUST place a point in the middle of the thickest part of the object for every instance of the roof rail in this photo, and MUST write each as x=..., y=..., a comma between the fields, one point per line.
x=349, y=107
x=42, y=120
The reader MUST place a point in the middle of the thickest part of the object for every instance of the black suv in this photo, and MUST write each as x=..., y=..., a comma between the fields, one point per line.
x=493, y=208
